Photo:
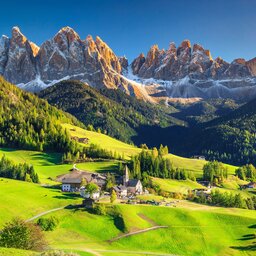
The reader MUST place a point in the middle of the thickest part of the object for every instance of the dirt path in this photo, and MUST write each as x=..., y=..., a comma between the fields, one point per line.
x=44, y=213
x=136, y=232
x=144, y=217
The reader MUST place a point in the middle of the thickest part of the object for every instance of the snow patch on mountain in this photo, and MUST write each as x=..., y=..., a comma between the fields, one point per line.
x=238, y=89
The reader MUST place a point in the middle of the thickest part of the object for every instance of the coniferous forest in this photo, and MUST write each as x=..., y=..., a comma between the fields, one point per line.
x=28, y=122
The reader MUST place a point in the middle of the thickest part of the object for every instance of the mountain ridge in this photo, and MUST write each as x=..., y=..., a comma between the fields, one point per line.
x=185, y=71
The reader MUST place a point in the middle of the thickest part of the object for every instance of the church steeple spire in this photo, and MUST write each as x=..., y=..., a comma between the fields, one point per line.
x=126, y=176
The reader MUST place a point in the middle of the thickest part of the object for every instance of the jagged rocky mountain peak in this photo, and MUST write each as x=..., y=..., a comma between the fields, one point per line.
x=185, y=44
x=185, y=71
x=198, y=47
x=172, y=48
x=17, y=36
x=68, y=34
x=16, y=31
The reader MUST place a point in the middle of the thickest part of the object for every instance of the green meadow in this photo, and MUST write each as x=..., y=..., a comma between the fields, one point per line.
x=192, y=230
x=24, y=199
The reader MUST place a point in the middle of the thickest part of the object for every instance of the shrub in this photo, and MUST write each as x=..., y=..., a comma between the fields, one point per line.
x=48, y=224
x=100, y=209
x=22, y=235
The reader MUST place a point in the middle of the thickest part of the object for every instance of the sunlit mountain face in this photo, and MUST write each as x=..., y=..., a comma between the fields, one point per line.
x=183, y=72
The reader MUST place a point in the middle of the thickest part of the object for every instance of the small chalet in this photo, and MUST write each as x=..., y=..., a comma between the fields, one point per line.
x=199, y=191
x=251, y=185
x=80, y=140
x=199, y=157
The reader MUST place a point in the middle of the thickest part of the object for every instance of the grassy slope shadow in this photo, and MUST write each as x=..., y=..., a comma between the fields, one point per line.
x=247, y=237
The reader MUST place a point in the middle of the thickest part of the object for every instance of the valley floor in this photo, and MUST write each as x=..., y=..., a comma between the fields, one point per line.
x=189, y=228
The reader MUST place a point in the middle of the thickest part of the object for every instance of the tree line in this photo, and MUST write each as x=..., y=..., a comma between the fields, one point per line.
x=154, y=163
x=226, y=199
x=246, y=172
x=93, y=151
x=20, y=171
x=215, y=172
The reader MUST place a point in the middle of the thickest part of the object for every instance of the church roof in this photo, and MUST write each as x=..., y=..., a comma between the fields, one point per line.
x=133, y=182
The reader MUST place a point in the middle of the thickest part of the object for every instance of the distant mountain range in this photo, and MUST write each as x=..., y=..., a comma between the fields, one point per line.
x=179, y=72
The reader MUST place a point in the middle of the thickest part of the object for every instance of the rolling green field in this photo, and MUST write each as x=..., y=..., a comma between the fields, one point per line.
x=48, y=166
x=192, y=230
x=24, y=199
x=179, y=186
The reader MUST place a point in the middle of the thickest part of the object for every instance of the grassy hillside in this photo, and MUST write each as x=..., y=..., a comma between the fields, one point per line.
x=24, y=199
x=179, y=186
x=48, y=165
x=103, y=140
x=128, y=150
x=192, y=230
x=15, y=252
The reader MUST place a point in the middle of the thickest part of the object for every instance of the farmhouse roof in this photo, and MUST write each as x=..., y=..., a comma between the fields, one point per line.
x=120, y=188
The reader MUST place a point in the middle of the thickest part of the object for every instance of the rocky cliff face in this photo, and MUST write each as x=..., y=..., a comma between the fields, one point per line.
x=18, y=60
x=64, y=56
x=185, y=71
x=194, y=62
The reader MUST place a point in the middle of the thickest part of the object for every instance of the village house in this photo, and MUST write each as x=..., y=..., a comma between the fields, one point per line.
x=199, y=191
x=205, y=183
x=71, y=182
x=85, y=194
x=121, y=191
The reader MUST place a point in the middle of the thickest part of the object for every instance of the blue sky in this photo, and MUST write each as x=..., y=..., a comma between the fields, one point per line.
x=226, y=27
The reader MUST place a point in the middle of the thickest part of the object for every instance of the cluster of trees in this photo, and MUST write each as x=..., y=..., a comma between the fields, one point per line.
x=227, y=200
x=17, y=171
x=246, y=172
x=31, y=123
x=155, y=164
x=215, y=172
x=93, y=151
x=110, y=182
